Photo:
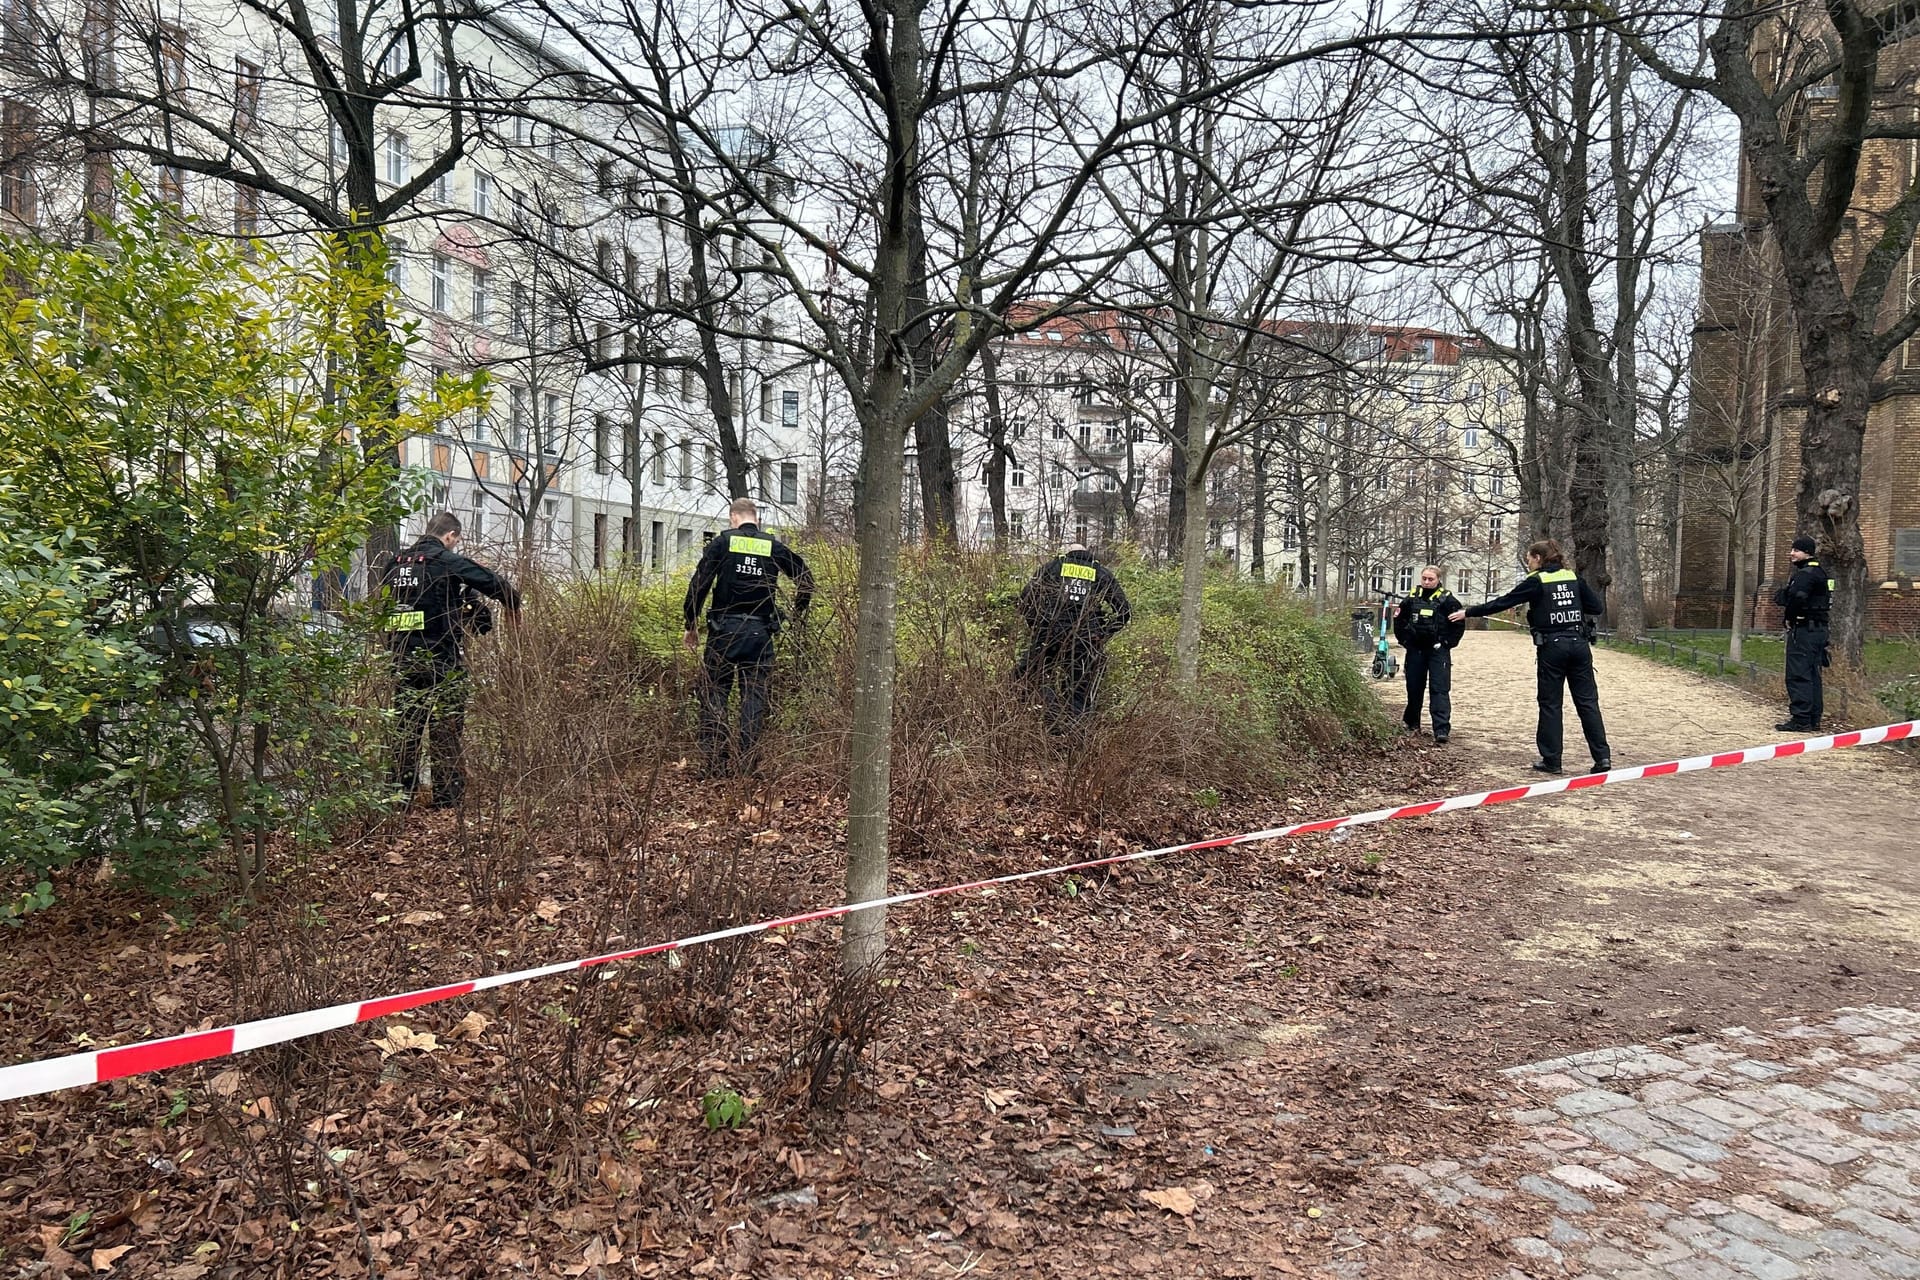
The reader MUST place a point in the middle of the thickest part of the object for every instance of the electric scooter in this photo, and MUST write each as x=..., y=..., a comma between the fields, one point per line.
x=1385, y=665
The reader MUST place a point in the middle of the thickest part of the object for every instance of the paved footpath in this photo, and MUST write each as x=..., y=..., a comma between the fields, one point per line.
x=1786, y=1148
x=1776, y=1153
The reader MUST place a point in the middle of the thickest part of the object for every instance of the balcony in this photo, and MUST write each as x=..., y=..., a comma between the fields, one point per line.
x=1097, y=500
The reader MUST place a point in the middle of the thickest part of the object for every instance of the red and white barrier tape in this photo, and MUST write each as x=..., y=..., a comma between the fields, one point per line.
x=96, y=1066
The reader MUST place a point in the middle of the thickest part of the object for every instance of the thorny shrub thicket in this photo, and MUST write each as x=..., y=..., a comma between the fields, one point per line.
x=580, y=737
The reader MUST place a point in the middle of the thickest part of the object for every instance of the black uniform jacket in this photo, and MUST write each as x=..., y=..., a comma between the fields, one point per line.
x=429, y=599
x=1557, y=600
x=1808, y=595
x=1421, y=620
x=1074, y=597
x=741, y=567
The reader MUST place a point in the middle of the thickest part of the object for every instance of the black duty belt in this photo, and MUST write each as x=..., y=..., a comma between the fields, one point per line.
x=1541, y=637
x=1806, y=622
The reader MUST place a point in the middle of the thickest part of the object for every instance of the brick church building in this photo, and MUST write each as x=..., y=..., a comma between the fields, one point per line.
x=1741, y=471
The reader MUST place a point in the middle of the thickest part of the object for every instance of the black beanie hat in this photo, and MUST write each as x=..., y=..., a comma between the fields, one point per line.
x=1806, y=544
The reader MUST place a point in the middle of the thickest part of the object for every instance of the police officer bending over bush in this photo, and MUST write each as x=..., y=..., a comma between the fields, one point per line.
x=433, y=604
x=1072, y=606
x=1424, y=627
x=1807, y=600
x=741, y=568
x=1558, y=603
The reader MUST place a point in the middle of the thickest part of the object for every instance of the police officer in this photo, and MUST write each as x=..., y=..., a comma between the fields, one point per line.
x=741, y=568
x=433, y=602
x=1807, y=600
x=1558, y=604
x=1073, y=606
x=1424, y=627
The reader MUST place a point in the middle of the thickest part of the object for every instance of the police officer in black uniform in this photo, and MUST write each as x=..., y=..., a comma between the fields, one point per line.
x=1073, y=606
x=433, y=602
x=1807, y=600
x=1558, y=604
x=741, y=568
x=1424, y=627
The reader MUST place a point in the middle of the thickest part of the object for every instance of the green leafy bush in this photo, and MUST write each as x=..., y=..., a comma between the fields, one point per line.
x=204, y=428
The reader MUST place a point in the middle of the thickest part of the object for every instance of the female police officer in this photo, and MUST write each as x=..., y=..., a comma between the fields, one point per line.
x=1558, y=602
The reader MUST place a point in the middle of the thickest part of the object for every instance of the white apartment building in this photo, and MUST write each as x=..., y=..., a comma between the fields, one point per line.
x=537, y=256
x=1405, y=454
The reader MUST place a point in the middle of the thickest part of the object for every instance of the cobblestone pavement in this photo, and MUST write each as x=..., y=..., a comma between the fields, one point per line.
x=1791, y=1151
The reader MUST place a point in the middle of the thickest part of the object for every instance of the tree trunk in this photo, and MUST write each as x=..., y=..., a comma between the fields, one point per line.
x=932, y=430
x=1828, y=499
x=997, y=453
x=1193, y=541
x=883, y=451
x=1736, y=637
x=1257, y=565
x=1321, y=501
x=1177, y=479
x=882, y=458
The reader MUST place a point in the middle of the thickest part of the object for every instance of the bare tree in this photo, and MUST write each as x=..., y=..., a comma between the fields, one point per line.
x=1842, y=257
x=1573, y=154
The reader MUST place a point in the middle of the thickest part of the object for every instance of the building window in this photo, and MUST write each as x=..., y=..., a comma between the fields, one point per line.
x=437, y=76
x=627, y=550
x=1018, y=476
x=1466, y=531
x=398, y=163
x=483, y=193
x=659, y=457
x=710, y=464
x=1471, y=437
x=602, y=445
x=1494, y=526
x=1080, y=529
x=766, y=402
x=397, y=264
x=479, y=301
x=790, y=409
x=686, y=383
x=550, y=438
x=1474, y=391
x=246, y=210
x=789, y=483
x=1017, y=524
x=599, y=540
x=1463, y=582
x=686, y=464
x=246, y=95
x=1377, y=578
x=173, y=185
x=173, y=60
x=1057, y=477
x=1499, y=484
x=682, y=542
x=516, y=417
x=517, y=311
x=1406, y=578
x=1059, y=429
x=1380, y=482
x=657, y=543
x=440, y=282
x=1501, y=395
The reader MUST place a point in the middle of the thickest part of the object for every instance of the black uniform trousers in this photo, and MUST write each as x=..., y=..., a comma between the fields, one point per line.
x=739, y=652
x=1563, y=662
x=430, y=698
x=1067, y=671
x=1806, y=654
x=1430, y=675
